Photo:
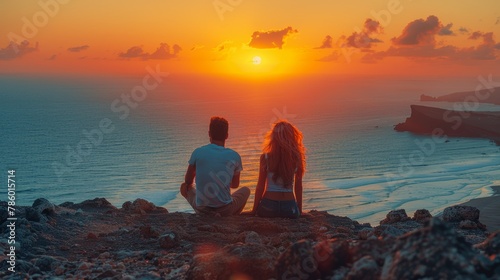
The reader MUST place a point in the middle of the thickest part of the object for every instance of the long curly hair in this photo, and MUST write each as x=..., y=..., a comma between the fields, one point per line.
x=286, y=152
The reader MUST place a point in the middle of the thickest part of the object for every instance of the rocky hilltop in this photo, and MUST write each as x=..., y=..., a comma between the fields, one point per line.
x=95, y=240
x=443, y=123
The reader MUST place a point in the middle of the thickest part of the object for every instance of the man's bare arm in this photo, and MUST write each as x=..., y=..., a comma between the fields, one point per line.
x=190, y=174
x=235, y=183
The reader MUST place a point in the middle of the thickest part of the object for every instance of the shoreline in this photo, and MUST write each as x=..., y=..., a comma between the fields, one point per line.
x=489, y=208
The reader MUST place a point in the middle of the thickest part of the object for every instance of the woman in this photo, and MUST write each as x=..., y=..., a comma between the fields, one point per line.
x=282, y=165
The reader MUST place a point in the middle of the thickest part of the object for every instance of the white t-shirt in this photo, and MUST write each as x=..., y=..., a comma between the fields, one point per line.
x=215, y=167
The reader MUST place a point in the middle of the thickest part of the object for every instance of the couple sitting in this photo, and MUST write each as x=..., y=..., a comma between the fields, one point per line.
x=217, y=170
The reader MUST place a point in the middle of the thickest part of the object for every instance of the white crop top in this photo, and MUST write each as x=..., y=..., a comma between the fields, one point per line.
x=278, y=186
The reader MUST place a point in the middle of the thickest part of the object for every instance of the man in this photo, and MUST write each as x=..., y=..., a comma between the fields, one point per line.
x=217, y=170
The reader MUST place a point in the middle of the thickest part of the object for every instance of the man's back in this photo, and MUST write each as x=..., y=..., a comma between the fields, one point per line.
x=215, y=167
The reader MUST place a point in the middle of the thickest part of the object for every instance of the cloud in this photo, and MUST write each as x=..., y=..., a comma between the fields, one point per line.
x=419, y=32
x=327, y=43
x=463, y=30
x=446, y=30
x=270, y=39
x=362, y=39
x=52, y=57
x=78, y=48
x=476, y=35
x=134, y=52
x=498, y=21
x=13, y=50
x=425, y=51
x=485, y=50
x=162, y=52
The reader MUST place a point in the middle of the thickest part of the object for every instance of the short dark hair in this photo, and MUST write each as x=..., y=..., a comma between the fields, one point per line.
x=218, y=128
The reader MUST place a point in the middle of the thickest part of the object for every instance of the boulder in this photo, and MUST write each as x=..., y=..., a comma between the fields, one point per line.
x=149, y=232
x=459, y=213
x=298, y=262
x=331, y=254
x=395, y=216
x=388, y=231
x=139, y=206
x=91, y=205
x=365, y=268
x=47, y=263
x=34, y=215
x=168, y=240
x=422, y=216
x=43, y=206
x=376, y=248
x=366, y=233
x=435, y=251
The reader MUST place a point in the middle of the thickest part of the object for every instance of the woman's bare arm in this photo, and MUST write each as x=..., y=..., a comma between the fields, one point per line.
x=261, y=183
x=298, y=189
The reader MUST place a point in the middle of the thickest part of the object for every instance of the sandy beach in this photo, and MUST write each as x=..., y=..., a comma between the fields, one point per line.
x=490, y=209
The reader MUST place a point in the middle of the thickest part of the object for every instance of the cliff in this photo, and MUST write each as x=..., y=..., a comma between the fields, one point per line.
x=95, y=240
x=429, y=120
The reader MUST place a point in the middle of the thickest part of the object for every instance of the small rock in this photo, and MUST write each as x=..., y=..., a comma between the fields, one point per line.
x=252, y=238
x=388, y=231
x=43, y=206
x=59, y=271
x=459, y=213
x=46, y=263
x=91, y=235
x=84, y=266
x=422, y=216
x=149, y=232
x=395, y=216
x=105, y=255
x=365, y=268
x=366, y=233
x=64, y=248
x=168, y=240
x=139, y=206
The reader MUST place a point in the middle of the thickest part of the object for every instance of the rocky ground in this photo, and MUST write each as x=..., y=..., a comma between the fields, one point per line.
x=95, y=240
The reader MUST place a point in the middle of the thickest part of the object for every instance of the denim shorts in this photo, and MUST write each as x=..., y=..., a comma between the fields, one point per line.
x=278, y=208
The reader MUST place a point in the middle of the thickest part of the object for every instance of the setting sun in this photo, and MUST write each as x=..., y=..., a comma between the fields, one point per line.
x=256, y=60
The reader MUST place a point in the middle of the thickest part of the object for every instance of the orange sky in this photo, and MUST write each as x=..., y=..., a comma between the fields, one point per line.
x=404, y=37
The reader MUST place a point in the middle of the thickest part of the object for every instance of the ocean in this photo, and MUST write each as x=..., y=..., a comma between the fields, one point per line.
x=71, y=139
